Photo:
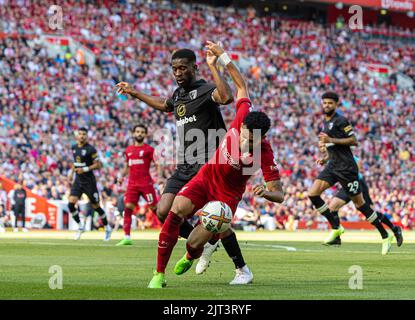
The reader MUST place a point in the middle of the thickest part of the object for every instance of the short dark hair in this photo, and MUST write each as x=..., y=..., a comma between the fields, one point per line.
x=83, y=129
x=184, y=54
x=257, y=120
x=139, y=126
x=330, y=95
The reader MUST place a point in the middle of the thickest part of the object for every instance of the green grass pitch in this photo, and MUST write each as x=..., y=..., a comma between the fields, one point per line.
x=93, y=269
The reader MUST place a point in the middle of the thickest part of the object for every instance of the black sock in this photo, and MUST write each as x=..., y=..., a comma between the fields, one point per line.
x=386, y=221
x=103, y=216
x=74, y=213
x=322, y=207
x=185, y=229
x=372, y=217
x=336, y=219
x=231, y=245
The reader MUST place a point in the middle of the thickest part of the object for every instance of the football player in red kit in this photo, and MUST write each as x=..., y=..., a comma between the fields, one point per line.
x=223, y=178
x=138, y=159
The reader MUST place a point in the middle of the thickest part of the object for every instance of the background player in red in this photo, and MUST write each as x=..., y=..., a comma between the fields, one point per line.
x=138, y=159
x=223, y=178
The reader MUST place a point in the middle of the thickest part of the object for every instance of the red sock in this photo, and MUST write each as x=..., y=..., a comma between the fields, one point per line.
x=193, y=253
x=127, y=221
x=167, y=240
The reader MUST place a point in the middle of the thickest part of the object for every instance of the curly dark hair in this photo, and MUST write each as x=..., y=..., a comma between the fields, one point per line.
x=257, y=120
x=139, y=126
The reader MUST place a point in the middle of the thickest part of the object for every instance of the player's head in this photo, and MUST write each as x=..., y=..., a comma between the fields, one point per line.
x=82, y=135
x=139, y=133
x=330, y=101
x=183, y=63
x=254, y=128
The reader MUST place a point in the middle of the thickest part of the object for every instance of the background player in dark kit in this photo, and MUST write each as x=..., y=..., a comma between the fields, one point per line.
x=85, y=161
x=19, y=207
x=338, y=137
x=195, y=104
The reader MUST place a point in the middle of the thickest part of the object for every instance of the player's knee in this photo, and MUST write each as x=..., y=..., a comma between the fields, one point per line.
x=182, y=206
x=162, y=211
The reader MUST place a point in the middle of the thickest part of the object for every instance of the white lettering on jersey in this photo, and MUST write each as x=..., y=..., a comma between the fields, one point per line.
x=185, y=120
x=132, y=162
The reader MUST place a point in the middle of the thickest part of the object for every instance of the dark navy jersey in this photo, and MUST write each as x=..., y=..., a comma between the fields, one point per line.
x=340, y=156
x=198, y=119
x=84, y=157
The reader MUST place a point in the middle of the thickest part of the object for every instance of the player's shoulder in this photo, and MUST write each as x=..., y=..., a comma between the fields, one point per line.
x=74, y=146
x=148, y=147
x=339, y=118
x=90, y=147
x=201, y=87
x=266, y=146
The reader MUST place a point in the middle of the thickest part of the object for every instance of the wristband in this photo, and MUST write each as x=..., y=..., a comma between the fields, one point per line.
x=85, y=169
x=224, y=59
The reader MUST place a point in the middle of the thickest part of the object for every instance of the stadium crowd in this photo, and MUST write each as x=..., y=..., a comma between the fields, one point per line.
x=43, y=100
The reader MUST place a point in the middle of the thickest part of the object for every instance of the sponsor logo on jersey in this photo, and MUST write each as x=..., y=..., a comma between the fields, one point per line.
x=78, y=159
x=181, y=110
x=79, y=164
x=330, y=125
x=348, y=128
x=185, y=120
x=193, y=94
x=132, y=162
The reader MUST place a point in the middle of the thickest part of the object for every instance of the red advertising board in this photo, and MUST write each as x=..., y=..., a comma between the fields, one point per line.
x=35, y=204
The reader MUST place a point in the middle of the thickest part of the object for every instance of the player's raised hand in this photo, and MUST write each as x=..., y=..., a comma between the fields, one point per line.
x=259, y=190
x=215, y=48
x=123, y=88
x=211, y=58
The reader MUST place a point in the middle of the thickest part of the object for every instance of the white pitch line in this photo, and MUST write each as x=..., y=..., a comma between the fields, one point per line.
x=271, y=246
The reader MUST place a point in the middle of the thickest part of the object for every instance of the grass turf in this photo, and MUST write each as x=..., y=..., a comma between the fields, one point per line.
x=96, y=270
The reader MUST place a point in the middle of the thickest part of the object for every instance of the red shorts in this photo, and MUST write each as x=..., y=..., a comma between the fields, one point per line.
x=133, y=194
x=200, y=191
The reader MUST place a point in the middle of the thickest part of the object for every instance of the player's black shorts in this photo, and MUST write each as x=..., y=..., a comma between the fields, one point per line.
x=89, y=188
x=342, y=194
x=349, y=179
x=183, y=174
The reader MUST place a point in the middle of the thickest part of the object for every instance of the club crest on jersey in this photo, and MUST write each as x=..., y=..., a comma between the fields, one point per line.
x=83, y=152
x=330, y=125
x=193, y=94
x=181, y=110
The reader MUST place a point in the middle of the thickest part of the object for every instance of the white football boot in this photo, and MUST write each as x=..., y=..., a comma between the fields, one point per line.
x=204, y=260
x=243, y=276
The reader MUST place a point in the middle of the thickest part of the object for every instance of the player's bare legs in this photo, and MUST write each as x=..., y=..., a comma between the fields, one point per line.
x=314, y=194
x=163, y=209
x=169, y=234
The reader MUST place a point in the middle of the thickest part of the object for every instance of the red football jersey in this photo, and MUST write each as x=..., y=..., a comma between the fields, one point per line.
x=225, y=169
x=139, y=160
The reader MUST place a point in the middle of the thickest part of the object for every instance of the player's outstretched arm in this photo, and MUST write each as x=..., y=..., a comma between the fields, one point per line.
x=237, y=78
x=350, y=141
x=223, y=93
x=158, y=103
x=273, y=191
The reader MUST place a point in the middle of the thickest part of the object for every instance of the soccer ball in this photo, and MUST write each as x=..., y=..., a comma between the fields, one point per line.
x=216, y=216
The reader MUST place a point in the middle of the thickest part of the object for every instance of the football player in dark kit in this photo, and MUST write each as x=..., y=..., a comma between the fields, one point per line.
x=85, y=161
x=338, y=137
x=195, y=104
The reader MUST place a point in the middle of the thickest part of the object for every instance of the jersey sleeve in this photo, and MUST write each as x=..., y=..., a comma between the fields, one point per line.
x=126, y=154
x=94, y=154
x=243, y=107
x=346, y=128
x=269, y=164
